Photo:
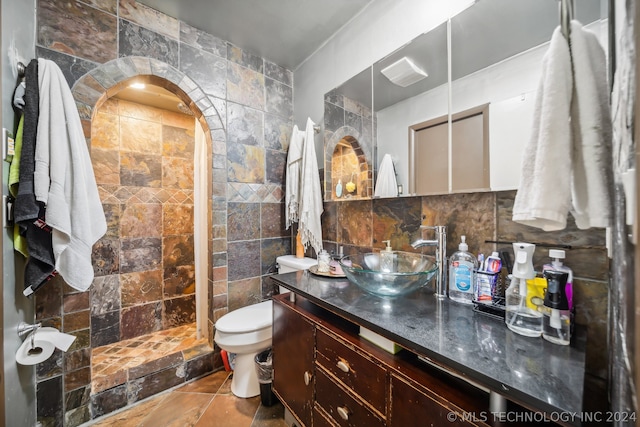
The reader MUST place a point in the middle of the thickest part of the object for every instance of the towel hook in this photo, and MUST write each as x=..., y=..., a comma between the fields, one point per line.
x=567, y=9
x=21, y=69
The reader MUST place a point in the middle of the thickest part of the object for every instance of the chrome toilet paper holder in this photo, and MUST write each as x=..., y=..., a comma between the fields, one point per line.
x=24, y=328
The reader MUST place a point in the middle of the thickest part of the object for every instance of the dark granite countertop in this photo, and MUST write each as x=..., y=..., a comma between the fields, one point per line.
x=531, y=371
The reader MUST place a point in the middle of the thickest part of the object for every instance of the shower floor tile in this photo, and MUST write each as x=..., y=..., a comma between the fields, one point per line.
x=116, y=363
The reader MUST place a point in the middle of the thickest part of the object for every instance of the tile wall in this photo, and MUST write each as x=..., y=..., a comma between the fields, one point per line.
x=143, y=162
x=247, y=103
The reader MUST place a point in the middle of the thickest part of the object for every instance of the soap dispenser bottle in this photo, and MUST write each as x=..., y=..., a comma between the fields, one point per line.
x=520, y=318
x=386, y=258
x=557, y=317
x=462, y=268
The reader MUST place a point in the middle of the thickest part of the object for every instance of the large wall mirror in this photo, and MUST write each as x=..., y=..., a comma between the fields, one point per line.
x=462, y=128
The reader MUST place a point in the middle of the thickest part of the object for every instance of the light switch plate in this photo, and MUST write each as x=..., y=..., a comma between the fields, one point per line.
x=8, y=144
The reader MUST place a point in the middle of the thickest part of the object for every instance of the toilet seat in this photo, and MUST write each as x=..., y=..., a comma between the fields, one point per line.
x=247, y=319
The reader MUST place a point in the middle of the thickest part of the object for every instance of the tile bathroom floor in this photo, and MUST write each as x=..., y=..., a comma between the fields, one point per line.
x=207, y=401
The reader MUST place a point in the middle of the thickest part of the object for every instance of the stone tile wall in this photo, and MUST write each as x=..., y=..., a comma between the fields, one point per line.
x=245, y=104
x=143, y=162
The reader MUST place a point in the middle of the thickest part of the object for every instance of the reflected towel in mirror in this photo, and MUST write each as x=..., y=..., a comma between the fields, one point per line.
x=386, y=185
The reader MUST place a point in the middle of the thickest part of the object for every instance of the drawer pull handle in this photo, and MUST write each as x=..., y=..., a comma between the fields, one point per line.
x=343, y=411
x=307, y=377
x=343, y=366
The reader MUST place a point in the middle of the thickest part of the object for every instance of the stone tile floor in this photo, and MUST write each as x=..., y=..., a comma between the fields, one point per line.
x=114, y=364
x=207, y=401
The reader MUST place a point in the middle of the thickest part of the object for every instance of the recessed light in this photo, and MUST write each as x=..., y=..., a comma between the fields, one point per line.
x=137, y=85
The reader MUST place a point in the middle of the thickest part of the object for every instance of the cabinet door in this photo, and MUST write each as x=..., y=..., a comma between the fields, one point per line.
x=411, y=406
x=293, y=343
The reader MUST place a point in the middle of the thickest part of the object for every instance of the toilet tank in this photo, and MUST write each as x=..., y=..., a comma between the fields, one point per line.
x=287, y=263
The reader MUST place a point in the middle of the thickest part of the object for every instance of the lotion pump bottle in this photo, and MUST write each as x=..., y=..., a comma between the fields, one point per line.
x=520, y=318
x=386, y=258
x=462, y=268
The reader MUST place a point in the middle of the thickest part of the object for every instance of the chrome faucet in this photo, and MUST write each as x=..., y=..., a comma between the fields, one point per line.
x=440, y=242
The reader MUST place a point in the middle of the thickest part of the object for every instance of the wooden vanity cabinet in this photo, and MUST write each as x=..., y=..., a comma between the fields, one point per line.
x=293, y=366
x=356, y=384
x=412, y=404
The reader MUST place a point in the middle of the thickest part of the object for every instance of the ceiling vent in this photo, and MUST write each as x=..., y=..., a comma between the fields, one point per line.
x=403, y=72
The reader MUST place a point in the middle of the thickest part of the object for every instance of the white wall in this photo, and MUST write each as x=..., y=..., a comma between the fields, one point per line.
x=18, y=43
x=382, y=27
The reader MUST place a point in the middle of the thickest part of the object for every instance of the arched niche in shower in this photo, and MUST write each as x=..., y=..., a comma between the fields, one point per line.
x=347, y=163
x=349, y=170
x=151, y=210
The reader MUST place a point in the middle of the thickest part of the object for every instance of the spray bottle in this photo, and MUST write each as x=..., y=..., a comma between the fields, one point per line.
x=520, y=318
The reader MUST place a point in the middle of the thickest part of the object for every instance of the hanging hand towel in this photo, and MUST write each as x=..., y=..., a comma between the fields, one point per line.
x=543, y=199
x=64, y=179
x=591, y=125
x=292, y=181
x=386, y=185
x=310, y=193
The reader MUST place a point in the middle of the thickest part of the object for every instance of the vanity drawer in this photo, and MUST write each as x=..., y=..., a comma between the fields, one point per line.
x=321, y=419
x=344, y=409
x=364, y=376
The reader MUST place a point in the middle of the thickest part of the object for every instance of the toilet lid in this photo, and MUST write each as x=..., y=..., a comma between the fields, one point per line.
x=247, y=319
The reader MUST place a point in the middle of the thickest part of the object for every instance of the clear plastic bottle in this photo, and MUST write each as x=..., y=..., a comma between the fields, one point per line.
x=520, y=318
x=462, y=267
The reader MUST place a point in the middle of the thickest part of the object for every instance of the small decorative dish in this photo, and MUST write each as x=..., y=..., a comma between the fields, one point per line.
x=314, y=270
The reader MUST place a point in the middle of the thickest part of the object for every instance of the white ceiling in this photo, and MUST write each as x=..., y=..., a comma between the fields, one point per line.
x=283, y=31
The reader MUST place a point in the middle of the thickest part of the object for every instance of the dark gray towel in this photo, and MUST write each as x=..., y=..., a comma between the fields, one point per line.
x=26, y=208
x=30, y=214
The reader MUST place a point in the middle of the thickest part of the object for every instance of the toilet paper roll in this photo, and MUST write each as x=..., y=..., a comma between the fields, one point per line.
x=59, y=339
x=34, y=352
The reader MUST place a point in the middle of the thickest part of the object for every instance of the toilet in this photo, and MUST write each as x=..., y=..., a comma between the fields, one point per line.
x=288, y=263
x=248, y=330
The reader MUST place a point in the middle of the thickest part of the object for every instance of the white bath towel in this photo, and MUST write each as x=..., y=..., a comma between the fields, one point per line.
x=309, y=225
x=64, y=179
x=543, y=199
x=292, y=180
x=386, y=185
x=592, y=136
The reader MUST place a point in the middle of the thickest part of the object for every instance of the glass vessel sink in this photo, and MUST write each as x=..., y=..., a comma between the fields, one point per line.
x=409, y=272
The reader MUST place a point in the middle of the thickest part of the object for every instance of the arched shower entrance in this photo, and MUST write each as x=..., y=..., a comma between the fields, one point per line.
x=147, y=253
